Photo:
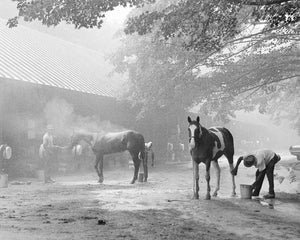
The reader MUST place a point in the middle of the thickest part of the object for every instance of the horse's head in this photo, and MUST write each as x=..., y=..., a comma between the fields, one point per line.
x=195, y=131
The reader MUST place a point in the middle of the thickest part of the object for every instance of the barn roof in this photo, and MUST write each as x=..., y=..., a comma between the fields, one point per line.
x=31, y=56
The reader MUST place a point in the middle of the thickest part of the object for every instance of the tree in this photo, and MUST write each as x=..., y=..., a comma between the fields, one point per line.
x=151, y=68
x=210, y=25
x=180, y=39
x=244, y=65
x=80, y=13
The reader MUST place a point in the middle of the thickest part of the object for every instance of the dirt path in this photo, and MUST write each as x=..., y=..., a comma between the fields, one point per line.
x=79, y=208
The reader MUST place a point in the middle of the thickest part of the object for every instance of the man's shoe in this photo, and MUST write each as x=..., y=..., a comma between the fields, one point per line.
x=269, y=196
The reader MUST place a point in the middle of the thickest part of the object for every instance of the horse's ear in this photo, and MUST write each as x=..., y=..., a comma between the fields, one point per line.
x=198, y=119
x=189, y=119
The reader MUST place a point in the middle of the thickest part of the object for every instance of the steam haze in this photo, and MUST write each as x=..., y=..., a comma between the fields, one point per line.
x=61, y=115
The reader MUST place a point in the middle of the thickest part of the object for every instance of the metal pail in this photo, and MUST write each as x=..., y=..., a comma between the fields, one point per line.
x=3, y=180
x=246, y=191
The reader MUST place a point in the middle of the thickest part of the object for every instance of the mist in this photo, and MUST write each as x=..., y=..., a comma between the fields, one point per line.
x=59, y=113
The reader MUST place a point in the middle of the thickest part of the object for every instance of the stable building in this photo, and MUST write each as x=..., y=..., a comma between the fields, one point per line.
x=38, y=71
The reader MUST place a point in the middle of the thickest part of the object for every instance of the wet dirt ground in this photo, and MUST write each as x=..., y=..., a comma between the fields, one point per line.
x=77, y=207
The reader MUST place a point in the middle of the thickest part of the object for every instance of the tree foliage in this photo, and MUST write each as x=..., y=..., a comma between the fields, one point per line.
x=88, y=13
x=208, y=25
x=221, y=55
x=247, y=69
x=152, y=69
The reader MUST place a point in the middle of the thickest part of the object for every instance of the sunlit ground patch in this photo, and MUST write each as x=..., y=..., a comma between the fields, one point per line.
x=131, y=199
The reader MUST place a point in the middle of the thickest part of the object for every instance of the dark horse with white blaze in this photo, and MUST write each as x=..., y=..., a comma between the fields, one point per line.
x=207, y=146
x=114, y=143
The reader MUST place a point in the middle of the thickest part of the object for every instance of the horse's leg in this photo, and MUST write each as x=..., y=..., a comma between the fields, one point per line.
x=230, y=161
x=145, y=165
x=136, y=162
x=195, y=179
x=207, y=177
x=218, y=171
x=99, y=167
x=96, y=165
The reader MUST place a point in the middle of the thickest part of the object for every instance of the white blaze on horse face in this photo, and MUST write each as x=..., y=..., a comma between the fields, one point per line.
x=192, y=137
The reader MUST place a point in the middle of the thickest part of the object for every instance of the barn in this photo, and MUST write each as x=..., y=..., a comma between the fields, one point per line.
x=44, y=79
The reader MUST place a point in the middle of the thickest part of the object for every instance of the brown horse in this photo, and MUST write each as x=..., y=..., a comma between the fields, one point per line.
x=114, y=143
x=207, y=146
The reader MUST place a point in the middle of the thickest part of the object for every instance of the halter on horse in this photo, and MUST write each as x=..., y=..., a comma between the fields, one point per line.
x=114, y=143
x=207, y=146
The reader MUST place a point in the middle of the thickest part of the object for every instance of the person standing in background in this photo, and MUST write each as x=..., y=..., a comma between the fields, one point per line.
x=48, y=153
x=149, y=153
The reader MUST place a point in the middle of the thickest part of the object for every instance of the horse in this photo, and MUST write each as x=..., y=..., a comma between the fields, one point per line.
x=207, y=146
x=114, y=142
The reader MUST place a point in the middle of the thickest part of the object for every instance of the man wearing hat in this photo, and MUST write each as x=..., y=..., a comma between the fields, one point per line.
x=264, y=161
x=48, y=152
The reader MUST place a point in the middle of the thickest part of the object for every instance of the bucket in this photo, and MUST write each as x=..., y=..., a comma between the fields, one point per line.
x=246, y=191
x=3, y=180
x=41, y=175
x=141, y=177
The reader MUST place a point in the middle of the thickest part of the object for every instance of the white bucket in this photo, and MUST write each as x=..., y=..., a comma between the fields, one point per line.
x=41, y=175
x=246, y=191
x=3, y=180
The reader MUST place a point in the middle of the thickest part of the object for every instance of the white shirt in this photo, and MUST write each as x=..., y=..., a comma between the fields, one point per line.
x=263, y=157
x=47, y=141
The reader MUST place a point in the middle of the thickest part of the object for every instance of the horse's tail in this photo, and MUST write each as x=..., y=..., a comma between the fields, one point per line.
x=142, y=152
x=230, y=139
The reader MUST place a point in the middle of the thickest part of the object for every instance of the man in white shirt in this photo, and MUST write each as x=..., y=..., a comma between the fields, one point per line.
x=264, y=161
x=149, y=153
x=48, y=155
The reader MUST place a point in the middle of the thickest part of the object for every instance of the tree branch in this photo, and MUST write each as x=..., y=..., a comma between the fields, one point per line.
x=260, y=2
x=264, y=84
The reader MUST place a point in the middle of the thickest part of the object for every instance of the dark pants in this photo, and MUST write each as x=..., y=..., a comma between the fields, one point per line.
x=269, y=170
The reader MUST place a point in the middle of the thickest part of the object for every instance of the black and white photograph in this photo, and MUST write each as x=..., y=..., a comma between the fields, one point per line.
x=149, y=119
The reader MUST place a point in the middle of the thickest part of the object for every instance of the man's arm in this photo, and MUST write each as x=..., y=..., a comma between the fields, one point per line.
x=234, y=171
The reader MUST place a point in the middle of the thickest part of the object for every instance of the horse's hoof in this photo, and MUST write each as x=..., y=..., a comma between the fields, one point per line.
x=132, y=182
x=215, y=194
x=207, y=197
x=233, y=194
x=100, y=180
